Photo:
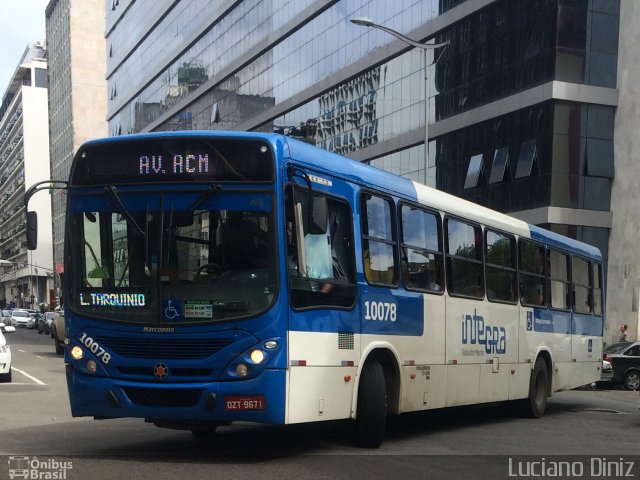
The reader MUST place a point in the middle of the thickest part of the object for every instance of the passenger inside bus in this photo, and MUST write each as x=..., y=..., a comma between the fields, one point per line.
x=243, y=242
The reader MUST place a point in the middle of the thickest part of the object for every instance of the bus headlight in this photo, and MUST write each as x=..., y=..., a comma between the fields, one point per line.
x=92, y=367
x=242, y=370
x=76, y=353
x=257, y=356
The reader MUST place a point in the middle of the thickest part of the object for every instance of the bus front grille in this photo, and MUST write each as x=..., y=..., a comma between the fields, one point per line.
x=164, y=348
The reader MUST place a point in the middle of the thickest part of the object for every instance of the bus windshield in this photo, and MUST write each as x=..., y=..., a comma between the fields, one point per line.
x=171, y=257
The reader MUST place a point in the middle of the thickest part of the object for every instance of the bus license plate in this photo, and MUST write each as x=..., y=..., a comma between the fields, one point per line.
x=245, y=402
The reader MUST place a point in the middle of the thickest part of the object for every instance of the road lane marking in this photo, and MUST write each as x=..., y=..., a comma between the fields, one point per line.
x=22, y=351
x=30, y=377
x=38, y=356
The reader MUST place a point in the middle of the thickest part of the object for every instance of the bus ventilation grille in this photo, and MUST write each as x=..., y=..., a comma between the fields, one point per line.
x=345, y=340
x=182, y=349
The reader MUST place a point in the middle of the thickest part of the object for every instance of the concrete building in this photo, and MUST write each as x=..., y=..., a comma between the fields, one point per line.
x=522, y=103
x=623, y=290
x=77, y=91
x=25, y=276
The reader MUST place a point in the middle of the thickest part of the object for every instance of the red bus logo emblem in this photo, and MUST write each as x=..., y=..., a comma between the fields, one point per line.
x=160, y=370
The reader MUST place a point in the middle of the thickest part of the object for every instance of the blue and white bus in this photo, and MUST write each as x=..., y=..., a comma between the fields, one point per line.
x=213, y=277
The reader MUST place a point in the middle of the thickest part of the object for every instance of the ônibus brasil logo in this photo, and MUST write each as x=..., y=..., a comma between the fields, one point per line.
x=35, y=468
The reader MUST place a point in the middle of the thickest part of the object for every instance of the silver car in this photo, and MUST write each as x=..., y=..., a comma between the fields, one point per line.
x=22, y=318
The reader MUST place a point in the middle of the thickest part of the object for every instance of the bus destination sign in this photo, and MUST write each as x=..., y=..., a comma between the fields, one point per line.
x=139, y=160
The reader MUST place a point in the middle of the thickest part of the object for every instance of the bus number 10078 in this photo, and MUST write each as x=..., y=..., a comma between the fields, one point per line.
x=380, y=311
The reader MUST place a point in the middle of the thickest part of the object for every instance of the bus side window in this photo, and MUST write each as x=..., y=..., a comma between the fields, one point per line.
x=465, y=273
x=327, y=276
x=379, y=240
x=596, y=284
x=533, y=282
x=559, y=280
x=421, y=249
x=582, y=297
x=500, y=255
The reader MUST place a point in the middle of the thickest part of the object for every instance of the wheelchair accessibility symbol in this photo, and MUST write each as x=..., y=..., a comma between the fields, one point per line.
x=172, y=309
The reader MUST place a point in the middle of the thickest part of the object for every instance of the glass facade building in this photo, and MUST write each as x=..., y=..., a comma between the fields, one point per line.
x=521, y=109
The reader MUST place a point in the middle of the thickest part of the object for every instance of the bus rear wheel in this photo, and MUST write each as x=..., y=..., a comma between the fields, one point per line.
x=536, y=403
x=372, y=406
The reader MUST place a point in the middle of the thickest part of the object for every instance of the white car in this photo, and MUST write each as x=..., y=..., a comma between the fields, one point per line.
x=5, y=360
x=22, y=318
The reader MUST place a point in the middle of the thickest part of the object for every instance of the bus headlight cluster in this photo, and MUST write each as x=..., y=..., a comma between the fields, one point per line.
x=77, y=353
x=252, y=362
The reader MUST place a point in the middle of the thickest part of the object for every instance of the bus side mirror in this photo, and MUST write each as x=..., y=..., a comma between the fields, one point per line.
x=32, y=230
x=318, y=223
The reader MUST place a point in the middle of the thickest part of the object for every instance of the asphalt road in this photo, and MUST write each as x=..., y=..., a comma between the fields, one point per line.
x=581, y=426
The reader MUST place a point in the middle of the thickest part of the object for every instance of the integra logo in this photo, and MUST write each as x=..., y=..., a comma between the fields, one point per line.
x=158, y=329
x=475, y=332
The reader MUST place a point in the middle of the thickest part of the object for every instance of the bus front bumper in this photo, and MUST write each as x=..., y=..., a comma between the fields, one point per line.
x=260, y=399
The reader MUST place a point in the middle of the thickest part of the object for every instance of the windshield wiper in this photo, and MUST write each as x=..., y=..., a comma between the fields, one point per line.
x=213, y=188
x=114, y=195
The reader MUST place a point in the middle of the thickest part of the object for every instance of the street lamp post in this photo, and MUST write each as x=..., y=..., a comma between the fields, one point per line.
x=367, y=22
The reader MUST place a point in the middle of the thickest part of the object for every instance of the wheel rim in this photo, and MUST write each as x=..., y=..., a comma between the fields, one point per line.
x=633, y=380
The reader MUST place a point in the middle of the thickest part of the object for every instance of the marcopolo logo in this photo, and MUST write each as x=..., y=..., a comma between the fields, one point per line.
x=33, y=468
x=476, y=332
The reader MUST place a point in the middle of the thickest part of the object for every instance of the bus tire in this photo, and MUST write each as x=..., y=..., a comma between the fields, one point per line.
x=372, y=408
x=536, y=403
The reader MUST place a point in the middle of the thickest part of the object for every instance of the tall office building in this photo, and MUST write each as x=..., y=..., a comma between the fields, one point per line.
x=25, y=276
x=522, y=101
x=77, y=91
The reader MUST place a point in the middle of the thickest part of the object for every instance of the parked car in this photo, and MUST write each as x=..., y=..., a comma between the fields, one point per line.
x=607, y=372
x=7, y=328
x=6, y=316
x=625, y=360
x=5, y=360
x=58, y=332
x=22, y=318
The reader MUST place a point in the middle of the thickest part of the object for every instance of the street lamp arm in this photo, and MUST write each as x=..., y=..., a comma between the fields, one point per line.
x=369, y=23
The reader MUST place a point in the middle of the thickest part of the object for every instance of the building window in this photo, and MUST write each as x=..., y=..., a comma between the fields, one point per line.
x=40, y=75
x=475, y=173
x=500, y=170
x=527, y=160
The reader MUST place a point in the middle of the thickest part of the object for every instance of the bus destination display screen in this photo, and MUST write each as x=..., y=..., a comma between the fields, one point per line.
x=177, y=159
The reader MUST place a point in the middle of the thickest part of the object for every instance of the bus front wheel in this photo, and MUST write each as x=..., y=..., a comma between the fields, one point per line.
x=536, y=403
x=372, y=408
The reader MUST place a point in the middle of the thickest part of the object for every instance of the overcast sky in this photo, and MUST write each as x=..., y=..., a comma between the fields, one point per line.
x=21, y=24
